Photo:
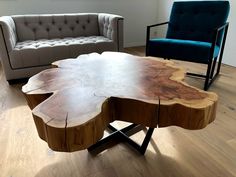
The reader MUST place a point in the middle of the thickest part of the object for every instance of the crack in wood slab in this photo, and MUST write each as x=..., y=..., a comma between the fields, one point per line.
x=76, y=100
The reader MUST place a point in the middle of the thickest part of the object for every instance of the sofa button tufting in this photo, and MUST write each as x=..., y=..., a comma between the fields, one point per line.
x=49, y=31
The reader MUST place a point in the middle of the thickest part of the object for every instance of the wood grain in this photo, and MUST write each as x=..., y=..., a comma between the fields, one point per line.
x=73, y=103
x=173, y=151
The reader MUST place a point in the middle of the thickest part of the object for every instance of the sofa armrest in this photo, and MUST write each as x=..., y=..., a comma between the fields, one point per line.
x=8, y=41
x=111, y=26
x=8, y=32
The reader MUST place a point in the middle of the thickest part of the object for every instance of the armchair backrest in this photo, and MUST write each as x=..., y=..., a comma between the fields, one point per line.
x=196, y=20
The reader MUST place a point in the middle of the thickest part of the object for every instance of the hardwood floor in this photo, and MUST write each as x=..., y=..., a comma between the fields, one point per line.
x=173, y=151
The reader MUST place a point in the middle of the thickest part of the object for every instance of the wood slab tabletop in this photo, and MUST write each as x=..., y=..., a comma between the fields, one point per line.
x=73, y=102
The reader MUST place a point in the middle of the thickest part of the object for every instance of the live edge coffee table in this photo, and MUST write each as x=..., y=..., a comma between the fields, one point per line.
x=75, y=101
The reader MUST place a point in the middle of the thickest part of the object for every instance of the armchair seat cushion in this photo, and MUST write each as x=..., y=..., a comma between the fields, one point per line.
x=43, y=51
x=188, y=50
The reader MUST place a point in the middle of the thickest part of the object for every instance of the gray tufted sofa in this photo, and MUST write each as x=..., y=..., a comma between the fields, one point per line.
x=30, y=43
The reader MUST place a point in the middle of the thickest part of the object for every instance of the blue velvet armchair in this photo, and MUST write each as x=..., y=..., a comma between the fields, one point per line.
x=196, y=32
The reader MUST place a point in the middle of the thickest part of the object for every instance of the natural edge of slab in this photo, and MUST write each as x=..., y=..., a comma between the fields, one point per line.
x=74, y=138
x=70, y=139
x=189, y=114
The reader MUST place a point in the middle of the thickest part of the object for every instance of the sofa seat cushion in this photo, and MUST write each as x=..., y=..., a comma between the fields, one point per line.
x=188, y=50
x=43, y=52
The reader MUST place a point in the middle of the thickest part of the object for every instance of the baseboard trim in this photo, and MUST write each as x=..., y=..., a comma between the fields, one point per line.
x=134, y=44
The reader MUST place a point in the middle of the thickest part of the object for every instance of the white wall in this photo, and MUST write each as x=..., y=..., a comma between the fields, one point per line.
x=230, y=48
x=137, y=13
x=229, y=57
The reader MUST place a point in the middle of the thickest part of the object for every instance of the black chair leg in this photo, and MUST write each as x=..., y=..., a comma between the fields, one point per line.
x=219, y=63
x=213, y=68
x=206, y=84
x=146, y=51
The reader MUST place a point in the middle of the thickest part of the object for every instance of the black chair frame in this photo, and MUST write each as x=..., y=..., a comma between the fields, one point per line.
x=209, y=76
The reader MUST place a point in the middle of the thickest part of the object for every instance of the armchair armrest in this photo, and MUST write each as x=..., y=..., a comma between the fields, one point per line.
x=8, y=33
x=158, y=24
x=148, y=33
x=111, y=26
x=224, y=29
x=216, y=32
x=150, y=26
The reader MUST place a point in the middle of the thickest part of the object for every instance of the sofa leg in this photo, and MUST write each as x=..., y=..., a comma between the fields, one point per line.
x=10, y=82
x=17, y=81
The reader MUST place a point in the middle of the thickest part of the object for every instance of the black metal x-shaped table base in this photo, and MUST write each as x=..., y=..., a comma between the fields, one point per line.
x=122, y=135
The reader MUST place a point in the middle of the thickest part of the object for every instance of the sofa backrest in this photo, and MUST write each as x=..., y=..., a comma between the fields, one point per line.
x=34, y=27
